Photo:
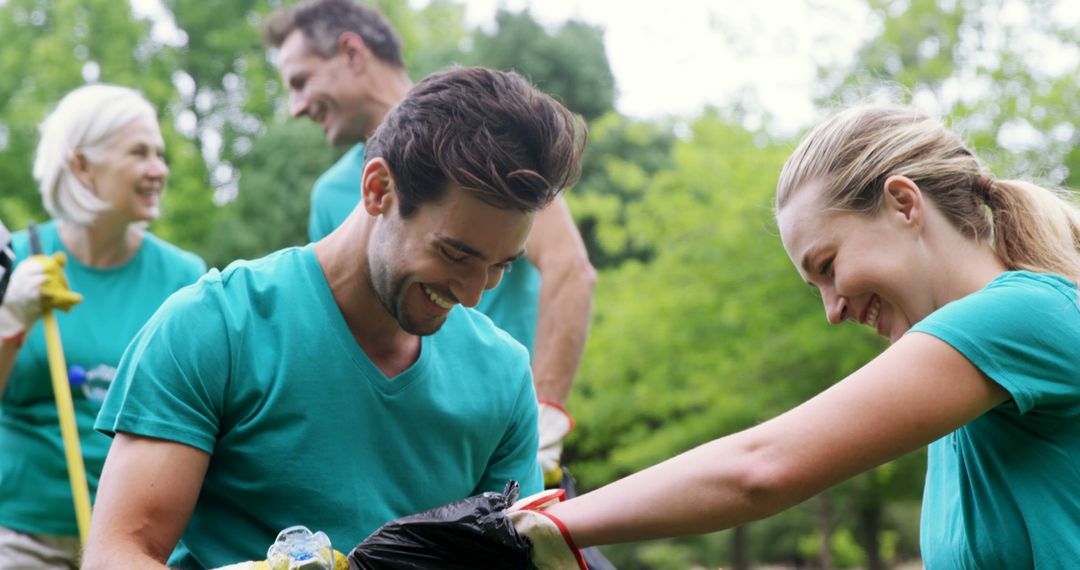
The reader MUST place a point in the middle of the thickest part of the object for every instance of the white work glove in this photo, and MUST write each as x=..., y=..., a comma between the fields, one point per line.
x=37, y=285
x=553, y=548
x=555, y=424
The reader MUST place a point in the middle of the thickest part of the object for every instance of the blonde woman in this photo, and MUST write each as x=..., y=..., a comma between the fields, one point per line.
x=101, y=170
x=974, y=282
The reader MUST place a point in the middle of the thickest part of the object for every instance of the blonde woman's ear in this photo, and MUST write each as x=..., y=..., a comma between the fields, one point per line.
x=904, y=197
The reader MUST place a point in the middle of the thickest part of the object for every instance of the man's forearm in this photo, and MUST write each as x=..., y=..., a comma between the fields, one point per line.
x=562, y=328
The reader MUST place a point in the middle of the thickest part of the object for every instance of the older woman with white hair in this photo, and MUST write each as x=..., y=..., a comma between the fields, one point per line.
x=101, y=169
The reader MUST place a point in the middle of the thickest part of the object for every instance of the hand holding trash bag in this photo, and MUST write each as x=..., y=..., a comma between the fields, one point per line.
x=483, y=531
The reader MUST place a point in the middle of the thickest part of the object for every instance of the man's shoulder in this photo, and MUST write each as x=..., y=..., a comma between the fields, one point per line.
x=279, y=266
x=244, y=284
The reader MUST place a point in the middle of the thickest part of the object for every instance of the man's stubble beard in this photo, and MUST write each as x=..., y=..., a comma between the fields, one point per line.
x=391, y=294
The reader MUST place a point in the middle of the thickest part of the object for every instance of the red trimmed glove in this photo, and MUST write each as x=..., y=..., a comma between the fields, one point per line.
x=553, y=548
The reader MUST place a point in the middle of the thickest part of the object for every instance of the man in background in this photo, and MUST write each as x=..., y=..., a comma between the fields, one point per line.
x=341, y=63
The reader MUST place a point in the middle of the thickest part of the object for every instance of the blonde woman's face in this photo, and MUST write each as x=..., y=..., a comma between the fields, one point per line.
x=130, y=176
x=865, y=267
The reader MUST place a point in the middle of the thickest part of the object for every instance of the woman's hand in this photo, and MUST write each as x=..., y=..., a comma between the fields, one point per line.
x=38, y=284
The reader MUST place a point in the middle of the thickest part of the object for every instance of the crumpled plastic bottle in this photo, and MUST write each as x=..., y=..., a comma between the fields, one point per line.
x=297, y=548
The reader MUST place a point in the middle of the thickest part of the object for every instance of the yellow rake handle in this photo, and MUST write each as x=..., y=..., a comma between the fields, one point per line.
x=80, y=491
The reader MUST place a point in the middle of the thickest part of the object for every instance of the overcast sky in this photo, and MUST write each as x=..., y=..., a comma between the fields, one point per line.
x=672, y=57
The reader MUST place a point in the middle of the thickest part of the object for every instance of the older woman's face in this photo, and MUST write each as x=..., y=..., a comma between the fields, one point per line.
x=131, y=175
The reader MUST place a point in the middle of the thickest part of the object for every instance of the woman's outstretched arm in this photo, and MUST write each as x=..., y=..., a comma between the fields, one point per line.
x=917, y=391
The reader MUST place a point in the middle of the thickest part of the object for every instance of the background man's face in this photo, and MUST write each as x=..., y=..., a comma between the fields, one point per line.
x=322, y=89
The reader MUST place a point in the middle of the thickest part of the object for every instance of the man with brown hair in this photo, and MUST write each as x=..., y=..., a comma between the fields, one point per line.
x=339, y=385
x=341, y=63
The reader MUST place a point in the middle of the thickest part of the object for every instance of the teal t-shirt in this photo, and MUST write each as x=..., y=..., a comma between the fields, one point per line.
x=336, y=193
x=1003, y=491
x=256, y=366
x=35, y=494
x=513, y=305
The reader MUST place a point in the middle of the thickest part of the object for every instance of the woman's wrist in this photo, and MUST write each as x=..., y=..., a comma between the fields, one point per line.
x=13, y=342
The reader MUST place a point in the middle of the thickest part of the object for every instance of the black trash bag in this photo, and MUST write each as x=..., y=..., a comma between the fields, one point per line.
x=468, y=534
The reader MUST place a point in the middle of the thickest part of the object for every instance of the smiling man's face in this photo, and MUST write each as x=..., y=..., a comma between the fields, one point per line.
x=447, y=252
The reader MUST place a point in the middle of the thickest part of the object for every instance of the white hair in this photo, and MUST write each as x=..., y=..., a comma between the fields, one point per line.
x=86, y=121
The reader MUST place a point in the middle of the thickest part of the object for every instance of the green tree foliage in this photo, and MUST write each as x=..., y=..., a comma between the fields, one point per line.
x=1006, y=72
x=435, y=36
x=271, y=209
x=622, y=157
x=569, y=63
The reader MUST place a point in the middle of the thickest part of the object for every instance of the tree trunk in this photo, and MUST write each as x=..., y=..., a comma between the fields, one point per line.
x=870, y=528
x=825, y=529
x=740, y=548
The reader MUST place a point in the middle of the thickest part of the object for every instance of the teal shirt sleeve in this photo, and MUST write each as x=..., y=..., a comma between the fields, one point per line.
x=516, y=454
x=1021, y=331
x=171, y=380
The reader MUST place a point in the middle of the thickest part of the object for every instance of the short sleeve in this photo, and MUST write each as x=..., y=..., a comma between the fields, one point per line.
x=171, y=379
x=1023, y=332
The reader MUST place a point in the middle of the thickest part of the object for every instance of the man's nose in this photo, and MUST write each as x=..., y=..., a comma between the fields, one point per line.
x=470, y=285
x=298, y=104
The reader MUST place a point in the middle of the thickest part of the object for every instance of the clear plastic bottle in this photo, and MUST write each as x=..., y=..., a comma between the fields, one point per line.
x=297, y=548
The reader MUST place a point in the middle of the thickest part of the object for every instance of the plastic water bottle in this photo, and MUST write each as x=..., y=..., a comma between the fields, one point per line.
x=297, y=548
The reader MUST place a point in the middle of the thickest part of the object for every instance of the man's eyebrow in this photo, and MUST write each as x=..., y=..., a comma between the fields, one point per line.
x=472, y=251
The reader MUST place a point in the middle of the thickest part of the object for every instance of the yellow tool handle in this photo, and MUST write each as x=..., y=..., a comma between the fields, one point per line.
x=68, y=429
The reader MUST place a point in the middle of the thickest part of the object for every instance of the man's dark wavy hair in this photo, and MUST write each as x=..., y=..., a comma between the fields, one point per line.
x=489, y=132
